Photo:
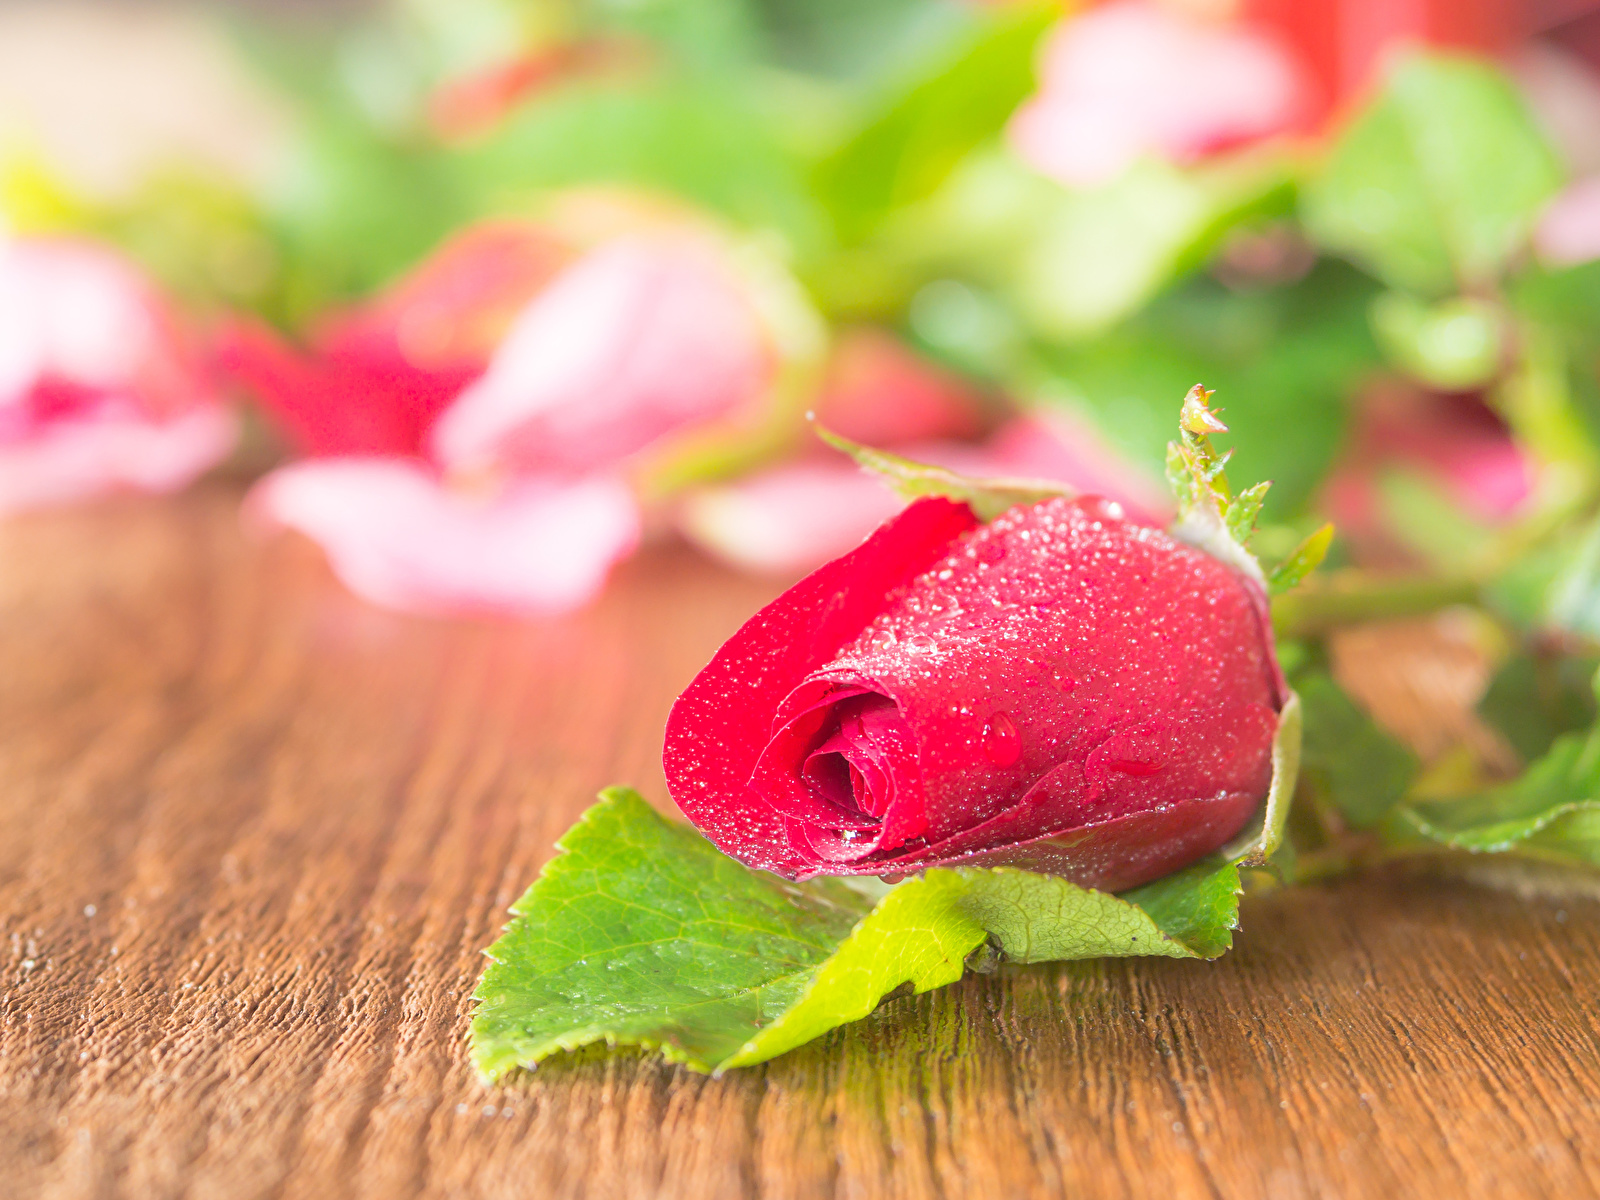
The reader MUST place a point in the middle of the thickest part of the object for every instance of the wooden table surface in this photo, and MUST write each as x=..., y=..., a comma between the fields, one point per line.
x=254, y=836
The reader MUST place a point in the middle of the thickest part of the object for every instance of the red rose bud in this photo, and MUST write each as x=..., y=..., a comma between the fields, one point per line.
x=1062, y=690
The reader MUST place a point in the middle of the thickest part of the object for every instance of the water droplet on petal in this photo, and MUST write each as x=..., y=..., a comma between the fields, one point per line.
x=1001, y=744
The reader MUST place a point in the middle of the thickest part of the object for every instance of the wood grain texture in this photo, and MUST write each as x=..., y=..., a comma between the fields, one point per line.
x=254, y=836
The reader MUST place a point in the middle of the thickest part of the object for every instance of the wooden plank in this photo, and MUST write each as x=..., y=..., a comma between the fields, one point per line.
x=254, y=836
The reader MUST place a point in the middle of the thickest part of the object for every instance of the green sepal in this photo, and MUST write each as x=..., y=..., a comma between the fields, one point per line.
x=1303, y=559
x=1260, y=841
x=987, y=498
x=1240, y=516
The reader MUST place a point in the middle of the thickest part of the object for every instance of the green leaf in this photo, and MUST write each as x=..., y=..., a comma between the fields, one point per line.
x=1303, y=559
x=988, y=498
x=918, y=937
x=1100, y=254
x=1550, y=813
x=919, y=135
x=1557, y=586
x=640, y=933
x=1348, y=762
x=1283, y=361
x=1438, y=183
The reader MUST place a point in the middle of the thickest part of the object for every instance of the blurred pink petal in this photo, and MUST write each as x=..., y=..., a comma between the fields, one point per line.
x=379, y=374
x=1456, y=441
x=1064, y=448
x=790, y=519
x=77, y=458
x=638, y=338
x=98, y=390
x=396, y=535
x=880, y=392
x=1131, y=79
x=1569, y=231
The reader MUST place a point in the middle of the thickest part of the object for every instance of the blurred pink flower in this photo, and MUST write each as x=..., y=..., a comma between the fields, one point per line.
x=792, y=518
x=1568, y=232
x=378, y=375
x=639, y=338
x=1131, y=79
x=98, y=391
x=1455, y=441
x=472, y=426
x=395, y=534
x=880, y=392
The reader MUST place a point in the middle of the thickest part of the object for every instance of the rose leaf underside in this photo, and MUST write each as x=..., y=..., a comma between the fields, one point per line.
x=639, y=932
x=1550, y=813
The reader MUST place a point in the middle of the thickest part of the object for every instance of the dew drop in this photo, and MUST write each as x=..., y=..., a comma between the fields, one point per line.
x=920, y=643
x=1138, y=768
x=1001, y=744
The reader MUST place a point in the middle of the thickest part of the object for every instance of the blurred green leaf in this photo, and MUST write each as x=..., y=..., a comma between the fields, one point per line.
x=1346, y=760
x=848, y=39
x=1550, y=813
x=1283, y=359
x=921, y=132
x=1429, y=521
x=1534, y=698
x=1552, y=396
x=1453, y=345
x=1572, y=598
x=1438, y=182
x=700, y=140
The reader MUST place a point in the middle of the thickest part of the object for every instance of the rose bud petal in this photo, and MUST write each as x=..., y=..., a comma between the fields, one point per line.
x=98, y=389
x=396, y=535
x=1062, y=689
